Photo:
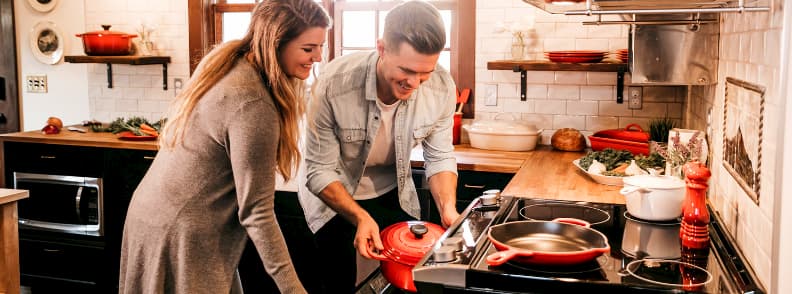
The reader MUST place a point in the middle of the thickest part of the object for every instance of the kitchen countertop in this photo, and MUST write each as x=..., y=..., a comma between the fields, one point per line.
x=542, y=173
x=89, y=139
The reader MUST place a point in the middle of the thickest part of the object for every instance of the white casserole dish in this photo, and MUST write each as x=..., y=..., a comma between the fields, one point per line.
x=654, y=198
x=502, y=135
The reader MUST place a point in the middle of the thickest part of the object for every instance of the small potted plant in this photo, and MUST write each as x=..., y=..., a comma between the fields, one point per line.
x=659, y=130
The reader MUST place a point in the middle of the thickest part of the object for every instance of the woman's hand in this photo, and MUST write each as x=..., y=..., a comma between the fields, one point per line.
x=367, y=238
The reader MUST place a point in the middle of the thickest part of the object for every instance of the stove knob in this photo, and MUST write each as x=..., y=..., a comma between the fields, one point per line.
x=489, y=199
x=444, y=254
x=456, y=242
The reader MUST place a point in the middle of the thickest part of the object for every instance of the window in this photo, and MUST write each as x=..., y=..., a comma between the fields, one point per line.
x=357, y=26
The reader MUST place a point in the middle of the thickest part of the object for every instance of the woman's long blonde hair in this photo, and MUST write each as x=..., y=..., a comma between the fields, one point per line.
x=273, y=24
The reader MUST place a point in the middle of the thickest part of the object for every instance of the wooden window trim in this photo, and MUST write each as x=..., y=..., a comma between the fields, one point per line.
x=202, y=21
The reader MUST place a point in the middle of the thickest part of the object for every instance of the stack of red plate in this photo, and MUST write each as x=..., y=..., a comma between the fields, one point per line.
x=576, y=56
x=622, y=54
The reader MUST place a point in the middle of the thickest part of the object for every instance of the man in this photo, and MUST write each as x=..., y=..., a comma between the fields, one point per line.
x=368, y=112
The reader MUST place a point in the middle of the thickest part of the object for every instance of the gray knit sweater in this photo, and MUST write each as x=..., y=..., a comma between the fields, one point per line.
x=189, y=218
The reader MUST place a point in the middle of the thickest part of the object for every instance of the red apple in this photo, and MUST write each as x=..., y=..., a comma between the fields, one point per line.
x=50, y=129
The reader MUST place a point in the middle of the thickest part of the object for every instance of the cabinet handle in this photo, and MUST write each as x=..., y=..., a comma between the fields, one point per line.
x=48, y=157
x=52, y=250
x=148, y=157
x=474, y=187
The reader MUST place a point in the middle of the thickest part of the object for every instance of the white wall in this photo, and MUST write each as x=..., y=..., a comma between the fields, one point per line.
x=68, y=83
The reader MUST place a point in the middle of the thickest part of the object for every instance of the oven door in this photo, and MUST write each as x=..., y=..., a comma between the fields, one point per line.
x=60, y=203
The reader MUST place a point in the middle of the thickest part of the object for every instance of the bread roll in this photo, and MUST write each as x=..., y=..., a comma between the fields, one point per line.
x=568, y=139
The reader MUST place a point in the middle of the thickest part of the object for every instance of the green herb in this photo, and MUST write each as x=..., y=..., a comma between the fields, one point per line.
x=659, y=128
x=611, y=158
x=132, y=124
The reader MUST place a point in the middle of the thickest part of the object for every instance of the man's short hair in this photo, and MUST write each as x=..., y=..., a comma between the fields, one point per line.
x=419, y=24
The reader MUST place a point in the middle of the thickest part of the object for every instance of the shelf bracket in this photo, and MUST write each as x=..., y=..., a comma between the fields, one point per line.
x=522, y=82
x=165, y=76
x=109, y=76
x=620, y=86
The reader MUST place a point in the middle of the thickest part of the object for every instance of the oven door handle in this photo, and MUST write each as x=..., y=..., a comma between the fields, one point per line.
x=77, y=200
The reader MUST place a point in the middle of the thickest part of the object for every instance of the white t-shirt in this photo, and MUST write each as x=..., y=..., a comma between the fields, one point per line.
x=379, y=175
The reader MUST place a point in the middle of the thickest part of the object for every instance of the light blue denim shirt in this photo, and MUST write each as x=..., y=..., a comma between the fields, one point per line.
x=343, y=120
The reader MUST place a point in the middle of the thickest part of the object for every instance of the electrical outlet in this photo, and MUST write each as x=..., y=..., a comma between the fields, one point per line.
x=178, y=84
x=634, y=97
x=491, y=94
x=36, y=84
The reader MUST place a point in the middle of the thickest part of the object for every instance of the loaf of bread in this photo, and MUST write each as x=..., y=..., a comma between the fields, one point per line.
x=568, y=139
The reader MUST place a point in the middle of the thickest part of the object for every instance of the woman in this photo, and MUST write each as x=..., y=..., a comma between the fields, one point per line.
x=212, y=183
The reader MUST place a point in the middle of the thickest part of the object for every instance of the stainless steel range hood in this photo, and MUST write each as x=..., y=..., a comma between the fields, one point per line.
x=596, y=7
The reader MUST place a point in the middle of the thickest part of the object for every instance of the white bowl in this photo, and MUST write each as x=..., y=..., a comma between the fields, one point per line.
x=605, y=180
x=502, y=135
x=654, y=198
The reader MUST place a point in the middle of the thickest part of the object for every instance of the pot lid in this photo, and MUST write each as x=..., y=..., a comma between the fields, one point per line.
x=503, y=127
x=407, y=242
x=654, y=182
x=107, y=32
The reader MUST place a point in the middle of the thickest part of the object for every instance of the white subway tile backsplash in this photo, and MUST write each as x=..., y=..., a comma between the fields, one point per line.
x=132, y=93
x=538, y=77
x=570, y=31
x=493, y=4
x=557, y=44
x=515, y=105
x=596, y=123
x=563, y=92
x=601, y=93
x=570, y=77
x=127, y=104
x=652, y=110
x=592, y=44
x=508, y=91
x=551, y=107
x=601, y=78
x=569, y=121
x=506, y=76
x=582, y=108
x=614, y=109
x=536, y=92
x=609, y=31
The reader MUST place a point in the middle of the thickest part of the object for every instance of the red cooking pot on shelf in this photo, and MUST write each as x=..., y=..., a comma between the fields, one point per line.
x=107, y=42
x=405, y=244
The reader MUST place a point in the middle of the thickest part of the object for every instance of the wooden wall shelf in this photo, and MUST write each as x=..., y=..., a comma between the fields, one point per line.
x=131, y=60
x=522, y=66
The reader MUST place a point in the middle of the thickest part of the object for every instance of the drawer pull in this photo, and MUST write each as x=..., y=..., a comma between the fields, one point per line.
x=52, y=250
x=48, y=157
x=474, y=187
x=148, y=157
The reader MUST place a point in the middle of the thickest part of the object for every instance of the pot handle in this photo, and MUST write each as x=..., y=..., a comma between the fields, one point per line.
x=627, y=190
x=501, y=257
x=634, y=125
x=573, y=221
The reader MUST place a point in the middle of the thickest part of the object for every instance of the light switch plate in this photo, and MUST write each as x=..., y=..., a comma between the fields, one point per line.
x=36, y=83
x=490, y=94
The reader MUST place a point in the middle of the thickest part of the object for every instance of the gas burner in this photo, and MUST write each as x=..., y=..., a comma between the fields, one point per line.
x=587, y=267
x=674, y=222
x=549, y=211
x=671, y=273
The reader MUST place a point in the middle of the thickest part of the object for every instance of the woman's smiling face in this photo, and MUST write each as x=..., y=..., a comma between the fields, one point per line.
x=298, y=55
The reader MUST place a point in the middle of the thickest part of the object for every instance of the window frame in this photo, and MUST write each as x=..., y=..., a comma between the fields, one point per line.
x=206, y=27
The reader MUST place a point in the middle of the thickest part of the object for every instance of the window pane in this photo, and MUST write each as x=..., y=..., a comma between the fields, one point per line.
x=382, y=15
x=445, y=60
x=446, y=15
x=347, y=52
x=358, y=29
x=235, y=25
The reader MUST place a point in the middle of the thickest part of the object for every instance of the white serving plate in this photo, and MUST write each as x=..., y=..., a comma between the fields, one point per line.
x=605, y=180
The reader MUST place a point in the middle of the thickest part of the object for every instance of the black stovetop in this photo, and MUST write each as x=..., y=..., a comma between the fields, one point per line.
x=644, y=256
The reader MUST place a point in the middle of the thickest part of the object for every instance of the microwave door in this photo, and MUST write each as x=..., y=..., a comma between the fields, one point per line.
x=61, y=203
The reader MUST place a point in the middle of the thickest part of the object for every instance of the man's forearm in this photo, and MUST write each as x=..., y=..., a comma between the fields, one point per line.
x=339, y=199
x=443, y=187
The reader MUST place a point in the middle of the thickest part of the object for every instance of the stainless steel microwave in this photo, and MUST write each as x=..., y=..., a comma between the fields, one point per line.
x=67, y=204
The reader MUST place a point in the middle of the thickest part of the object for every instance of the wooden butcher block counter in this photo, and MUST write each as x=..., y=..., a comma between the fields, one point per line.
x=542, y=173
x=9, y=240
x=88, y=139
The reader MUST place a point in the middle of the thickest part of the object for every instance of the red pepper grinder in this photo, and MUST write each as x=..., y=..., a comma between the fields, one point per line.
x=694, y=230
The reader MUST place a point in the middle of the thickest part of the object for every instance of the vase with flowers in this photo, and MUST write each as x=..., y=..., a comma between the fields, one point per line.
x=679, y=153
x=520, y=32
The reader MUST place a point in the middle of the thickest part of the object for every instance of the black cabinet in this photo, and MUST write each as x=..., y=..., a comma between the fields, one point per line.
x=60, y=262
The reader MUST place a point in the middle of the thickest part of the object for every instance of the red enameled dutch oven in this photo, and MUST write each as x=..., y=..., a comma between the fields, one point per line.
x=563, y=241
x=405, y=244
x=107, y=42
x=633, y=132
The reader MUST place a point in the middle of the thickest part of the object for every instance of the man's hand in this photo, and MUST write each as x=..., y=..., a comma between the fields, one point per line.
x=367, y=238
x=449, y=216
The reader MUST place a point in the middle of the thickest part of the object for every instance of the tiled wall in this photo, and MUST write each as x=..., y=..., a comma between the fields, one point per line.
x=750, y=51
x=137, y=90
x=563, y=99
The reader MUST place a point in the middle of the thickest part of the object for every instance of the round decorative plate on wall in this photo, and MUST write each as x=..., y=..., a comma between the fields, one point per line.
x=47, y=42
x=43, y=5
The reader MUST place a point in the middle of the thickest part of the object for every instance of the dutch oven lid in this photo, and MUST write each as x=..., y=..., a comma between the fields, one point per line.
x=633, y=132
x=503, y=127
x=107, y=32
x=654, y=182
x=407, y=242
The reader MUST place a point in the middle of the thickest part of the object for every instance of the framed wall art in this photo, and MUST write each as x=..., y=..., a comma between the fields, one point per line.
x=47, y=42
x=743, y=126
x=43, y=5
